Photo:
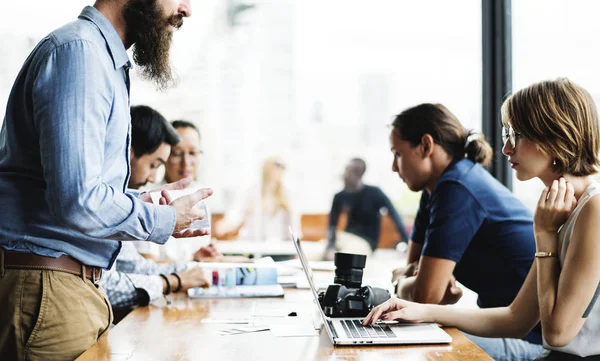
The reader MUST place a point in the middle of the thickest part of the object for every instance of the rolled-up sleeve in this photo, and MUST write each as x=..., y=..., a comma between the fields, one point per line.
x=131, y=290
x=72, y=122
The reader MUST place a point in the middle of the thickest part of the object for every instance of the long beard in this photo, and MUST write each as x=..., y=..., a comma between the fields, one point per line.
x=148, y=30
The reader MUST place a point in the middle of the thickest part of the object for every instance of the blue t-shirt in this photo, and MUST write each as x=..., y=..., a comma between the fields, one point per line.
x=472, y=219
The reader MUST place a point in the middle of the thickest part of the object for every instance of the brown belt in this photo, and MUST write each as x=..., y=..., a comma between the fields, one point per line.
x=21, y=260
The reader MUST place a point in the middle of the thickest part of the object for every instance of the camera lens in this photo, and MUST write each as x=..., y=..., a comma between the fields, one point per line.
x=349, y=269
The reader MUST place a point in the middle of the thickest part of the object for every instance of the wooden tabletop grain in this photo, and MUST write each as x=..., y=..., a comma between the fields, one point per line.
x=188, y=330
x=177, y=332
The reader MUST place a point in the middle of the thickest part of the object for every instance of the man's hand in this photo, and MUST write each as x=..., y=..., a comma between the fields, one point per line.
x=186, y=213
x=194, y=277
x=208, y=252
x=211, y=254
x=453, y=293
x=410, y=270
x=180, y=184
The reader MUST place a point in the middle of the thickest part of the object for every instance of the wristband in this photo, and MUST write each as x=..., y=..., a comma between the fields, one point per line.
x=178, y=288
x=168, y=283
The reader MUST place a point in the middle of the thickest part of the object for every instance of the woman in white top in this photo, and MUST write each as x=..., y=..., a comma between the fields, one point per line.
x=185, y=156
x=264, y=213
x=551, y=132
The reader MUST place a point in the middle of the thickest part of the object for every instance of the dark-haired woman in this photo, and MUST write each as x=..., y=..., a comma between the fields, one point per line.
x=469, y=227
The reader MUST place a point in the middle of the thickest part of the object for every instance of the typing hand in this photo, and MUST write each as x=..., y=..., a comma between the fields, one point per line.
x=186, y=213
x=397, y=309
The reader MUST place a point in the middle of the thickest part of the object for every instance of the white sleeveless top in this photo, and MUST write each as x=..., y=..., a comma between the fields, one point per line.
x=587, y=341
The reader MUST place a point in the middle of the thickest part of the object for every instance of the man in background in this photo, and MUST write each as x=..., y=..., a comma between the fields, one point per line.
x=363, y=205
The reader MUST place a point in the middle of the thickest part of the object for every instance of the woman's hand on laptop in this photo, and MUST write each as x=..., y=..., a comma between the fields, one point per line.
x=397, y=309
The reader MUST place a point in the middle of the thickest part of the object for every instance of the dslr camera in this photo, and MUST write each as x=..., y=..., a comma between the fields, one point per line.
x=346, y=297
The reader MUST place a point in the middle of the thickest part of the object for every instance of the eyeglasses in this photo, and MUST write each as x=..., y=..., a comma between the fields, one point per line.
x=178, y=154
x=509, y=134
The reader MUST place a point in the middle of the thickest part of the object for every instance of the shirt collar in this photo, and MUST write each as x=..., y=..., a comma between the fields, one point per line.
x=454, y=171
x=115, y=44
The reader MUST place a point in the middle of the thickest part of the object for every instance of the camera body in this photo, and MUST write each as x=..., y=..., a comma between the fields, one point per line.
x=346, y=297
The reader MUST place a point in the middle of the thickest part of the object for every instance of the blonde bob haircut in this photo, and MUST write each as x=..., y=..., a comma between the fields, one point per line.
x=561, y=118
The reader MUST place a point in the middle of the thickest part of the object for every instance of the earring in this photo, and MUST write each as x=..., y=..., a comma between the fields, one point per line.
x=554, y=162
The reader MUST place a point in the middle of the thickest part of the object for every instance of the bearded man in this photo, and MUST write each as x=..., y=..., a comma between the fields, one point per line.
x=64, y=169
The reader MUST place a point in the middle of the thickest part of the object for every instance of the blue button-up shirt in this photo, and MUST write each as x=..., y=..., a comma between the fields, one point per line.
x=64, y=150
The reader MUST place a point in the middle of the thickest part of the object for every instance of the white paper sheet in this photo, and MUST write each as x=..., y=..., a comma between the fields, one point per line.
x=293, y=330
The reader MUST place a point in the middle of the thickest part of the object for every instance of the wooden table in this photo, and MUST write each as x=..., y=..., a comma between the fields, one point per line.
x=175, y=332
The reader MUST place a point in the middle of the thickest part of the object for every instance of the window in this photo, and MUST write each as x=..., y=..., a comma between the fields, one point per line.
x=359, y=64
x=554, y=38
x=315, y=81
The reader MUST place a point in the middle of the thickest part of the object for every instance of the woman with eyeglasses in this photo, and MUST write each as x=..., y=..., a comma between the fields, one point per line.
x=262, y=213
x=552, y=133
x=184, y=158
x=468, y=227
x=182, y=163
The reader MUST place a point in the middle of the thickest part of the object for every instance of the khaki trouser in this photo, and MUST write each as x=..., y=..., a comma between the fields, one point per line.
x=49, y=315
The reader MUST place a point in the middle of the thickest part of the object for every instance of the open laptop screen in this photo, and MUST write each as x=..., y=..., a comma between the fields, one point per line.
x=305, y=266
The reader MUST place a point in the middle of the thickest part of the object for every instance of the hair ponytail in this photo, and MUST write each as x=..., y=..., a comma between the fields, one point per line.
x=478, y=149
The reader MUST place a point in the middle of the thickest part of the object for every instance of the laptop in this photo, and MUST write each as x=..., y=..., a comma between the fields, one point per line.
x=349, y=331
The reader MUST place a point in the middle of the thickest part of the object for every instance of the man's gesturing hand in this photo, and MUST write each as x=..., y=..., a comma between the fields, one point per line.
x=186, y=213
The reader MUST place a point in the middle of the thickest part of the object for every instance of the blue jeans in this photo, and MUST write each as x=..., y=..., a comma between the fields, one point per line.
x=507, y=349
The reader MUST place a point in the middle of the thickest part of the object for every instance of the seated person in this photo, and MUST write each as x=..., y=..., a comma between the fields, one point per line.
x=468, y=227
x=133, y=280
x=184, y=159
x=551, y=132
x=262, y=213
x=181, y=162
x=363, y=205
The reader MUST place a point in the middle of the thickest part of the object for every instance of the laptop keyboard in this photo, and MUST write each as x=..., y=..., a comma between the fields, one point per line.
x=354, y=329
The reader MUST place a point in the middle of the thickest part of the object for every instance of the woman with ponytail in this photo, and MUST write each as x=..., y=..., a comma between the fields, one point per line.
x=469, y=227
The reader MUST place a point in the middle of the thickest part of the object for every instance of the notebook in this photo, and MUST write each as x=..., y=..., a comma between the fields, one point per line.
x=237, y=292
x=239, y=280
